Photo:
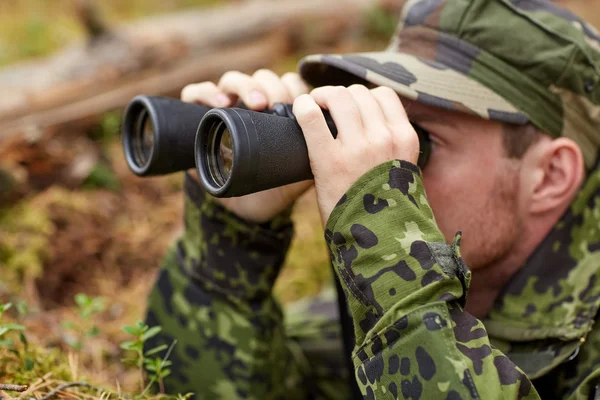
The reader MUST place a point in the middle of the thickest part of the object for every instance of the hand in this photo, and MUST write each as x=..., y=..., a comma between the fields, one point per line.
x=261, y=90
x=372, y=128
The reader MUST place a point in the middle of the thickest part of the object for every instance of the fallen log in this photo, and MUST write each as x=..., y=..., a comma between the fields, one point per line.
x=46, y=105
x=37, y=95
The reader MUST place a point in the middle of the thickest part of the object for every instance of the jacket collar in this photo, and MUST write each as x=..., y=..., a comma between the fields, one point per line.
x=557, y=293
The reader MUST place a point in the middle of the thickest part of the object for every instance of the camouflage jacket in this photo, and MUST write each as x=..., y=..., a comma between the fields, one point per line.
x=406, y=289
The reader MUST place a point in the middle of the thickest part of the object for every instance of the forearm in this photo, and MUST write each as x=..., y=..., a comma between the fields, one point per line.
x=214, y=296
x=406, y=290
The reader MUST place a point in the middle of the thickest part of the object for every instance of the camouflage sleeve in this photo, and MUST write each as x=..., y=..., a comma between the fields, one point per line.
x=214, y=298
x=406, y=290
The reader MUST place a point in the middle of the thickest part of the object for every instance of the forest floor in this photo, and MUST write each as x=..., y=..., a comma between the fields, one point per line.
x=77, y=263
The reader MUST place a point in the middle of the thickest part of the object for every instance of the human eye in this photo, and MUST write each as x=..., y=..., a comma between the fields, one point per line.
x=426, y=145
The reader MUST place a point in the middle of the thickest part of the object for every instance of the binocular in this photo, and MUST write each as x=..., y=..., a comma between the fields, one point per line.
x=235, y=151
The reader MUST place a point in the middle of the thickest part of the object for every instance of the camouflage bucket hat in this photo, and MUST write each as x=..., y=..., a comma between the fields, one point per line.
x=515, y=61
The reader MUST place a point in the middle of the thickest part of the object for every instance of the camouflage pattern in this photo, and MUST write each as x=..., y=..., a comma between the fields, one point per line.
x=515, y=61
x=406, y=291
x=213, y=296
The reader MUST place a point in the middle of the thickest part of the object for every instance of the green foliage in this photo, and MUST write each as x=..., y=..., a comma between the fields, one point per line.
x=6, y=328
x=108, y=129
x=156, y=367
x=86, y=307
x=102, y=177
x=8, y=331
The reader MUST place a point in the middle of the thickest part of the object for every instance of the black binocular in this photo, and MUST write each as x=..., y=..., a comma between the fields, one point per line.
x=236, y=151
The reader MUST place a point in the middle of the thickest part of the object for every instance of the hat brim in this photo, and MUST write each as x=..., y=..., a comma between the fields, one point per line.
x=411, y=77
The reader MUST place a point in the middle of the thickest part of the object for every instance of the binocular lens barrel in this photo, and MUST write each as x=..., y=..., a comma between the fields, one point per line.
x=159, y=133
x=239, y=151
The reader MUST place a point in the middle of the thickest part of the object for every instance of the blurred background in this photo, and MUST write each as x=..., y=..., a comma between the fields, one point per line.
x=81, y=237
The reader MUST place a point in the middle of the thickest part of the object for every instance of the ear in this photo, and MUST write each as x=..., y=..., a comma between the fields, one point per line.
x=558, y=172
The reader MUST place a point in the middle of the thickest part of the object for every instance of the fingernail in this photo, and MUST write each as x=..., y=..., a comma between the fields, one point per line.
x=223, y=100
x=258, y=98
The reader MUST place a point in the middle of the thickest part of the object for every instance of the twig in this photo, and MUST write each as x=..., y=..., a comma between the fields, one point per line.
x=13, y=388
x=55, y=391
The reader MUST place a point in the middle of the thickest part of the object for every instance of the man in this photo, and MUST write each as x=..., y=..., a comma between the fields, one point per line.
x=509, y=93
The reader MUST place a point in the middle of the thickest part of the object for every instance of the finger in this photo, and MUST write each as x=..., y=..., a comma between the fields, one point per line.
x=205, y=93
x=294, y=84
x=312, y=121
x=273, y=86
x=401, y=129
x=244, y=87
x=391, y=106
x=343, y=109
x=292, y=191
x=370, y=111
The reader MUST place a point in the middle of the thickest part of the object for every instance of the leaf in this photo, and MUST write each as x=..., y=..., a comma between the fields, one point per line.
x=128, y=345
x=22, y=308
x=132, y=330
x=142, y=327
x=29, y=364
x=23, y=340
x=14, y=327
x=5, y=307
x=151, y=367
x=3, y=330
x=127, y=361
x=164, y=373
x=151, y=333
x=6, y=343
x=93, y=332
x=156, y=350
x=81, y=299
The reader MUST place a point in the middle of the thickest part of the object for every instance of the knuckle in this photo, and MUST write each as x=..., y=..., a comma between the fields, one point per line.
x=196, y=90
x=312, y=114
x=385, y=91
x=340, y=91
x=263, y=73
x=321, y=91
x=230, y=76
x=358, y=89
x=290, y=76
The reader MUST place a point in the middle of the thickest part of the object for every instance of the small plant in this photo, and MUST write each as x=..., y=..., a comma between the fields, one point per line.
x=158, y=370
x=156, y=367
x=86, y=307
x=9, y=344
x=6, y=328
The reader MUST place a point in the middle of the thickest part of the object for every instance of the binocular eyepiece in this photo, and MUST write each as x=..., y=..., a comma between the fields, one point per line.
x=235, y=151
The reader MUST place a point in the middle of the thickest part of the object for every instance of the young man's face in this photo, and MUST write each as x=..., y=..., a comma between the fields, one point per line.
x=471, y=184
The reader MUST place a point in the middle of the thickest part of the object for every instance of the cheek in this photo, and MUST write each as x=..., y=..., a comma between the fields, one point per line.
x=457, y=195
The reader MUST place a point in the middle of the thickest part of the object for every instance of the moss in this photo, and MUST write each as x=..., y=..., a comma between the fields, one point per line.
x=25, y=233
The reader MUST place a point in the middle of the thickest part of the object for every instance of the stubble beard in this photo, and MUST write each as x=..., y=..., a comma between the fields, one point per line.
x=495, y=230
